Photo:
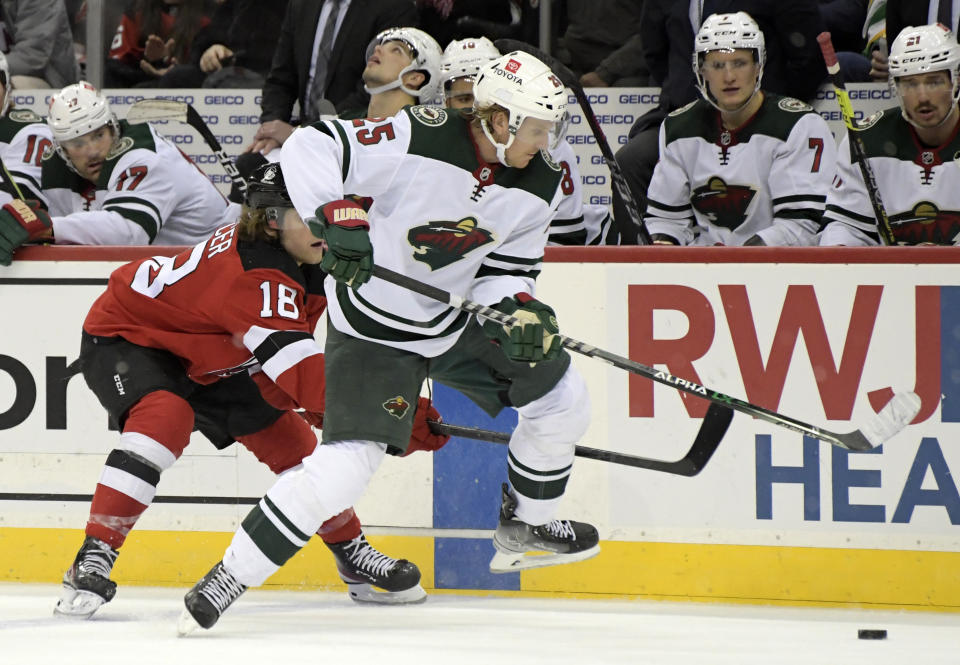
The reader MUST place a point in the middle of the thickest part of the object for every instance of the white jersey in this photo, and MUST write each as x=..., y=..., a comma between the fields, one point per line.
x=24, y=138
x=567, y=227
x=148, y=192
x=767, y=178
x=438, y=215
x=918, y=186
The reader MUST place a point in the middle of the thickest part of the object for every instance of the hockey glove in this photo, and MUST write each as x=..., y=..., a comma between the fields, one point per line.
x=422, y=438
x=343, y=226
x=21, y=222
x=534, y=337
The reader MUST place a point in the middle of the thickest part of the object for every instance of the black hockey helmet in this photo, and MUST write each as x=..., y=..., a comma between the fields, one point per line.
x=266, y=188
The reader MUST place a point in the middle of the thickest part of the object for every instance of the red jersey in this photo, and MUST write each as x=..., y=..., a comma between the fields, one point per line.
x=223, y=307
x=129, y=41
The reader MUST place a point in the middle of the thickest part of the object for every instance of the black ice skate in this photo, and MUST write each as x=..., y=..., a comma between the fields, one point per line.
x=362, y=568
x=208, y=599
x=87, y=584
x=550, y=544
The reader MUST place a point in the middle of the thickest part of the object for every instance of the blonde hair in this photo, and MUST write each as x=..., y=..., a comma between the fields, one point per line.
x=254, y=225
x=484, y=115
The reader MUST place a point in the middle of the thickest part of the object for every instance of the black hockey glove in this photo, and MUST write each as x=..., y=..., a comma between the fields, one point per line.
x=348, y=256
x=534, y=337
x=20, y=222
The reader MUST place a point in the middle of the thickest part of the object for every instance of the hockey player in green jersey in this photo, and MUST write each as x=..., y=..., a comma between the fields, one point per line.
x=463, y=203
x=740, y=166
x=911, y=150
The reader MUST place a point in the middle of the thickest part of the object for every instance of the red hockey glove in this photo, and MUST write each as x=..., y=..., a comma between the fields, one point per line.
x=535, y=335
x=21, y=222
x=343, y=226
x=421, y=438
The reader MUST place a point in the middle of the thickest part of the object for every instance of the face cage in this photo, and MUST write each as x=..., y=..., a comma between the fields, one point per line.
x=114, y=124
x=954, y=81
x=700, y=57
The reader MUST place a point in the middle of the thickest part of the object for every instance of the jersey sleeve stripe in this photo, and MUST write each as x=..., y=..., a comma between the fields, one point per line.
x=488, y=271
x=794, y=198
x=521, y=260
x=432, y=323
x=148, y=223
x=289, y=355
x=265, y=342
x=346, y=149
x=844, y=212
x=668, y=208
x=569, y=238
x=373, y=329
x=135, y=201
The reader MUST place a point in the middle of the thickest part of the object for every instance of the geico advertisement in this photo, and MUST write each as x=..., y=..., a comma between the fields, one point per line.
x=233, y=117
x=825, y=344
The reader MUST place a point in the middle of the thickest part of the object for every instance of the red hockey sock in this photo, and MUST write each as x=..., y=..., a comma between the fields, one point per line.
x=345, y=526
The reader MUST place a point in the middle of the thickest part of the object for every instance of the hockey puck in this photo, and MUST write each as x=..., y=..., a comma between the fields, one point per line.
x=871, y=634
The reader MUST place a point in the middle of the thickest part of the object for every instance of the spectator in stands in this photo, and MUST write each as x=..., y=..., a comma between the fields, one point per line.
x=793, y=67
x=903, y=13
x=107, y=182
x=36, y=38
x=844, y=20
x=154, y=43
x=596, y=31
x=230, y=54
x=447, y=20
x=320, y=56
x=875, y=33
x=741, y=166
x=911, y=150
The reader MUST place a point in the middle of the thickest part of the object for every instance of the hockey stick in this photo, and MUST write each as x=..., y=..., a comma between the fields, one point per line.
x=570, y=80
x=147, y=110
x=711, y=432
x=896, y=415
x=856, y=144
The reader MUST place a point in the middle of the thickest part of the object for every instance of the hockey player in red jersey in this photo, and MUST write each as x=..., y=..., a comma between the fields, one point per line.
x=220, y=339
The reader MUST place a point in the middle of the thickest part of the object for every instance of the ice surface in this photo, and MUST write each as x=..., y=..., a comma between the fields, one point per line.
x=139, y=627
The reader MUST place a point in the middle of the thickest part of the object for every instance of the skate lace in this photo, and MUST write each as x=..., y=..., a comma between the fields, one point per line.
x=560, y=529
x=97, y=562
x=362, y=554
x=222, y=589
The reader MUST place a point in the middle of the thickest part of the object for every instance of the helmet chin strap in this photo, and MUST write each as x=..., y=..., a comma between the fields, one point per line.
x=501, y=148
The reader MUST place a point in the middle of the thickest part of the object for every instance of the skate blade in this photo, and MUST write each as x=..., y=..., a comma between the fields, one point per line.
x=77, y=604
x=186, y=624
x=365, y=593
x=511, y=562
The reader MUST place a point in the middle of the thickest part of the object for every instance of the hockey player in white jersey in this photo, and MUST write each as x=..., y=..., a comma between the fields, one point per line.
x=740, y=166
x=464, y=204
x=24, y=137
x=109, y=182
x=576, y=223
x=911, y=150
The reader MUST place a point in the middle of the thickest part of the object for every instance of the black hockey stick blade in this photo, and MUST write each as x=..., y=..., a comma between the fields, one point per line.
x=711, y=432
x=897, y=414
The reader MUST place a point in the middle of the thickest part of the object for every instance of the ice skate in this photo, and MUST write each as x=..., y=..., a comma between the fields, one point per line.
x=87, y=584
x=373, y=577
x=520, y=545
x=208, y=599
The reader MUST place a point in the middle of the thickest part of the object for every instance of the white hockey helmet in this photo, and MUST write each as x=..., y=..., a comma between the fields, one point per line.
x=426, y=58
x=5, y=80
x=923, y=49
x=463, y=58
x=727, y=32
x=526, y=88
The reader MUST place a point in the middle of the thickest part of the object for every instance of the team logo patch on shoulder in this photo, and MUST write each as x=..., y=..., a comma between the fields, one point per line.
x=794, y=105
x=120, y=147
x=24, y=115
x=438, y=244
x=396, y=407
x=429, y=115
x=869, y=121
x=683, y=109
x=548, y=158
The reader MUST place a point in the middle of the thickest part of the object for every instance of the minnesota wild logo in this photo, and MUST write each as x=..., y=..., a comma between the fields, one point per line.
x=397, y=407
x=724, y=205
x=926, y=224
x=438, y=244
